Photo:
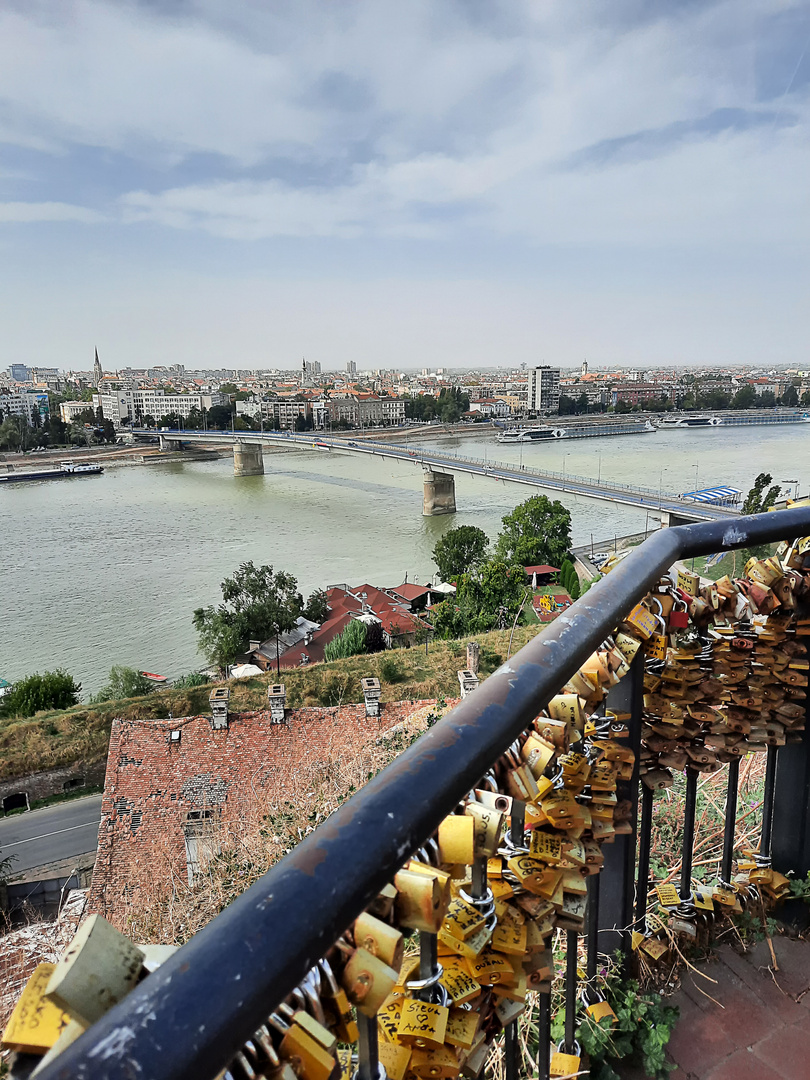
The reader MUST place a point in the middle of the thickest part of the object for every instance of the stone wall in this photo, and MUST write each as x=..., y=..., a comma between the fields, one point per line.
x=42, y=785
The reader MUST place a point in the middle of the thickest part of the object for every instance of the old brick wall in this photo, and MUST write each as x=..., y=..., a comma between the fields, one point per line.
x=153, y=784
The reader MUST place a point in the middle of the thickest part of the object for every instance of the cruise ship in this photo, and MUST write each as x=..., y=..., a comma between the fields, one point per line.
x=524, y=435
x=684, y=420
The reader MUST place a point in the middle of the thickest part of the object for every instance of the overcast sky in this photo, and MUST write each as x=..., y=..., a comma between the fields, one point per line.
x=404, y=184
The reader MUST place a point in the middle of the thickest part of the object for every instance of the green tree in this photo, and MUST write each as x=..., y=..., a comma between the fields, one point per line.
x=569, y=579
x=790, y=396
x=459, y=551
x=317, y=607
x=123, y=682
x=219, y=417
x=351, y=642
x=766, y=400
x=258, y=604
x=486, y=598
x=51, y=690
x=745, y=398
x=755, y=501
x=537, y=531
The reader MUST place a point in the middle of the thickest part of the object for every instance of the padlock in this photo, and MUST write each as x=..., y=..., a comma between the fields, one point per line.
x=36, y=1023
x=395, y=1059
x=457, y=839
x=488, y=827
x=367, y=981
x=422, y=900
x=422, y=1024
x=679, y=616
x=564, y=1064
x=336, y=1005
x=380, y=939
x=98, y=969
x=308, y=1056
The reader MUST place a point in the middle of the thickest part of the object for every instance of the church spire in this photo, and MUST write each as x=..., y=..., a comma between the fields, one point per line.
x=98, y=374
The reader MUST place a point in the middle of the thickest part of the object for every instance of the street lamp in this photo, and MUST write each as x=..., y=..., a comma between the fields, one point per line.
x=695, y=467
x=599, y=481
x=563, y=472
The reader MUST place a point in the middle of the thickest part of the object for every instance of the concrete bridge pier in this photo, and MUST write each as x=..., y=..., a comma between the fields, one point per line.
x=247, y=459
x=439, y=493
x=170, y=444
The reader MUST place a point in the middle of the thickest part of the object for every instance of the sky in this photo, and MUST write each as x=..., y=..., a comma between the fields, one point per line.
x=456, y=183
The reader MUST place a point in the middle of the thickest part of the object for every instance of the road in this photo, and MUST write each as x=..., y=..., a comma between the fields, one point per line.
x=606, y=490
x=50, y=834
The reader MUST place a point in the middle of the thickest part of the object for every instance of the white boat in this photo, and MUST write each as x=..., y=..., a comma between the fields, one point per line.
x=524, y=435
x=687, y=421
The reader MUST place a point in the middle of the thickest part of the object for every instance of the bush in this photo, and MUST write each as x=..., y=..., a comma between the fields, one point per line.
x=123, y=682
x=350, y=643
x=188, y=682
x=391, y=670
x=53, y=690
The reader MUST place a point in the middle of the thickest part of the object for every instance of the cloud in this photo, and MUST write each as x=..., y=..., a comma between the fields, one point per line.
x=28, y=212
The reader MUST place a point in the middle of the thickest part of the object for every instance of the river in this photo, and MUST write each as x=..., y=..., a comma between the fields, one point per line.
x=108, y=570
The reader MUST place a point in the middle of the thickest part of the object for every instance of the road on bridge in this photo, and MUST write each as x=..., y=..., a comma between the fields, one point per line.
x=605, y=490
x=50, y=834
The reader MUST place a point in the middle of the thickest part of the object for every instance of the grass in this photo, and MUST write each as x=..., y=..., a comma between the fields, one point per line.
x=51, y=740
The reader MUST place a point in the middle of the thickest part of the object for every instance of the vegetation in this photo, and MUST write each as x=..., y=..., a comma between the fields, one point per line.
x=123, y=682
x=757, y=501
x=460, y=551
x=537, y=531
x=190, y=681
x=258, y=604
x=449, y=407
x=60, y=737
x=569, y=579
x=486, y=599
x=53, y=690
x=351, y=642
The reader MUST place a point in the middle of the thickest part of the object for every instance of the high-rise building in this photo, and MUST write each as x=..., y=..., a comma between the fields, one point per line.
x=19, y=372
x=544, y=389
x=351, y=367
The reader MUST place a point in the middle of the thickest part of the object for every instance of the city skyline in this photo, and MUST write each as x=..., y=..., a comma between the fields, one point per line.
x=438, y=186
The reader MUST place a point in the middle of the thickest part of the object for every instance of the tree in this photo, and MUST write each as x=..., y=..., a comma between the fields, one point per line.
x=755, y=501
x=766, y=400
x=317, y=609
x=123, y=682
x=258, y=604
x=537, y=531
x=351, y=642
x=459, y=551
x=790, y=396
x=569, y=579
x=485, y=599
x=219, y=417
x=745, y=398
x=52, y=690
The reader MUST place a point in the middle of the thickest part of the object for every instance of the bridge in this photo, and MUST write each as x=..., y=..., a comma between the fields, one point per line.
x=439, y=469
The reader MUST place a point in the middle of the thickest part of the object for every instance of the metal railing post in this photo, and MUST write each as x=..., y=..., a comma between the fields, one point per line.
x=617, y=887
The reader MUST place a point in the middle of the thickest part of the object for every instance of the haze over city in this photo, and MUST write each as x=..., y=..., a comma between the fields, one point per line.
x=456, y=185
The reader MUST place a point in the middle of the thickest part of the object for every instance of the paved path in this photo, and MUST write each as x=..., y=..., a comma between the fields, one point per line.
x=760, y=1030
x=50, y=834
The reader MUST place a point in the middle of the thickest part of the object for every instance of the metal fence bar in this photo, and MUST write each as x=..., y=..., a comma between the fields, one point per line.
x=191, y=1015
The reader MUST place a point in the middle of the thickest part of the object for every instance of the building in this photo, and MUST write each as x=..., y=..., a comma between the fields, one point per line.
x=69, y=410
x=125, y=407
x=490, y=407
x=351, y=367
x=393, y=410
x=20, y=373
x=172, y=785
x=98, y=374
x=544, y=389
x=32, y=405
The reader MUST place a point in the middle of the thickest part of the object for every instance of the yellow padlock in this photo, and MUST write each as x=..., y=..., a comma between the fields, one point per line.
x=395, y=1059
x=367, y=981
x=380, y=939
x=422, y=1024
x=457, y=839
x=564, y=1064
x=488, y=827
x=36, y=1023
x=422, y=900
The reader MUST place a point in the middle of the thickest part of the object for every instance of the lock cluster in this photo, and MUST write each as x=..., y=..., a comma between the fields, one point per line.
x=423, y=983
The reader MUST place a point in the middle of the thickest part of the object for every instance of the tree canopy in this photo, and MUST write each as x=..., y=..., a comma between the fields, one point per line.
x=258, y=603
x=757, y=501
x=51, y=690
x=485, y=599
x=537, y=531
x=459, y=551
x=123, y=682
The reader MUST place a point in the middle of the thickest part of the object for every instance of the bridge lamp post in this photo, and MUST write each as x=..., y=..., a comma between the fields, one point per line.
x=599, y=480
x=565, y=456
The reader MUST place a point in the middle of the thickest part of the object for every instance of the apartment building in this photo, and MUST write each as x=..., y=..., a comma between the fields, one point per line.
x=32, y=405
x=543, y=393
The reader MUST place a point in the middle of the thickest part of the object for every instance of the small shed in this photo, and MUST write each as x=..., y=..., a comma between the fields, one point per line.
x=540, y=575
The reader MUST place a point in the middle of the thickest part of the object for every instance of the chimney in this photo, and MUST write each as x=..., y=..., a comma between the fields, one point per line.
x=473, y=653
x=468, y=681
x=253, y=646
x=371, y=696
x=277, y=699
x=218, y=700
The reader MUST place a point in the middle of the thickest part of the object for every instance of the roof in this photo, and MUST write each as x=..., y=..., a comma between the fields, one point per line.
x=411, y=591
x=713, y=495
x=544, y=569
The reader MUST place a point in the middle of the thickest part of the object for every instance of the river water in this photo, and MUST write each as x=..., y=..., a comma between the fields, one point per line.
x=108, y=570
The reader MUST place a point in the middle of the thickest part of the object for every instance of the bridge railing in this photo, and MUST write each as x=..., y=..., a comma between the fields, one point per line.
x=189, y=1018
